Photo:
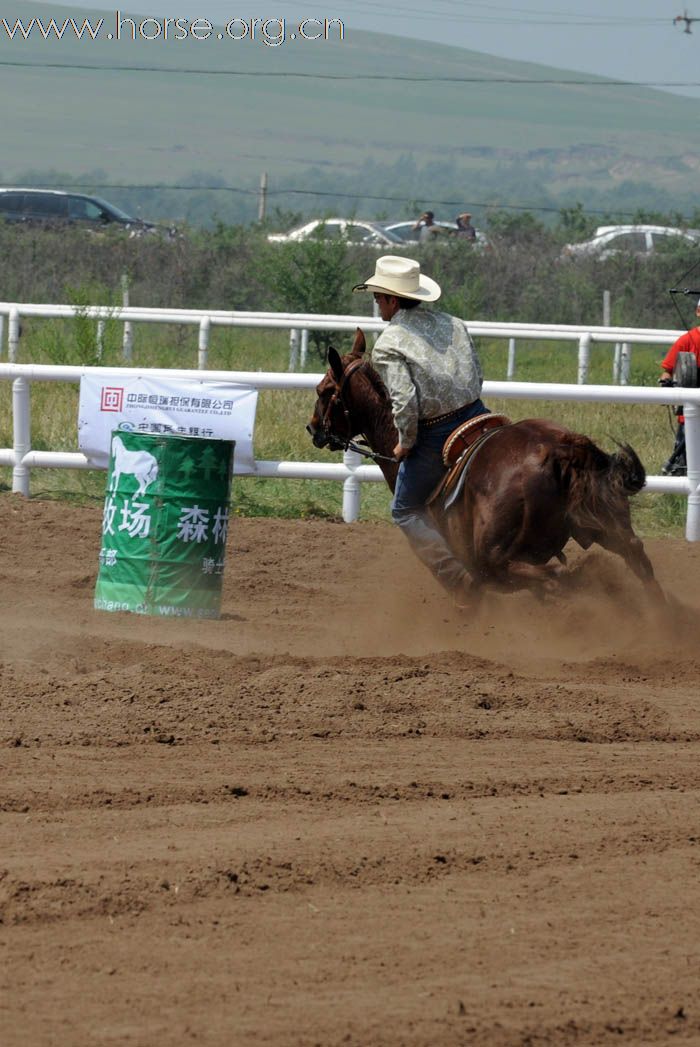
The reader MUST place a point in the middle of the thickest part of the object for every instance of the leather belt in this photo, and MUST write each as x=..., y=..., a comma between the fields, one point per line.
x=427, y=423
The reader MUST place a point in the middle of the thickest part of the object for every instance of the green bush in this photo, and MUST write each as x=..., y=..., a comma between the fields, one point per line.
x=520, y=277
x=308, y=276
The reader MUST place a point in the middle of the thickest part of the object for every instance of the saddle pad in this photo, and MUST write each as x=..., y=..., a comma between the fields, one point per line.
x=451, y=483
x=467, y=434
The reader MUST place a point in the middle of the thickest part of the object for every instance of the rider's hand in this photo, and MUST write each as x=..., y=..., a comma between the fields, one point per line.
x=666, y=380
x=401, y=452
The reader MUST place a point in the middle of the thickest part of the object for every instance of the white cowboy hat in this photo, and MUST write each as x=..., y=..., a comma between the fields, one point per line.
x=401, y=277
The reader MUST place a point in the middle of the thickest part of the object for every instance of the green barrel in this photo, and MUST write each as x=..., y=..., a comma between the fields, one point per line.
x=164, y=525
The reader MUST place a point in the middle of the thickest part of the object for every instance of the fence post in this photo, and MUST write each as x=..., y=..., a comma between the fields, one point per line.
x=100, y=338
x=606, y=308
x=584, y=354
x=351, y=487
x=128, y=341
x=13, y=329
x=128, y=337
x=510, y=370
x=625, y=361
x=293, y=349
x=2, y=332
x=304, y=346
x=21, y=434
x=691, y=413
x=203, y=343
x=616, y=365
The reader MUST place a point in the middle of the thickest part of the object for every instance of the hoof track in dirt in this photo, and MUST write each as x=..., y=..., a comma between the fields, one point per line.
x=344, y=813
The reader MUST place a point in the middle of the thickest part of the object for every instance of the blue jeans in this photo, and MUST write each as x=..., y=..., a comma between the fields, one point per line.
x=418, y=476
x=677, y=465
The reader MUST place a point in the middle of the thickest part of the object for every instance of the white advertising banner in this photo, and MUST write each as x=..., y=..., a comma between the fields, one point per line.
x=187, y=407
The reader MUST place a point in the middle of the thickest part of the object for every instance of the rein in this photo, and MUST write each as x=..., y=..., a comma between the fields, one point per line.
x=361, y=448
x=335, y=442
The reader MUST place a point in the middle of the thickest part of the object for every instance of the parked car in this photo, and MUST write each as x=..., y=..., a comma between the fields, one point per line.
x=353, y=230
x=409, y=235
x=56, y=207
x=609, y=240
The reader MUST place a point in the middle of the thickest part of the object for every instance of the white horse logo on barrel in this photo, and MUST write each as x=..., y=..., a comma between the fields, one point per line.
x=139, y=464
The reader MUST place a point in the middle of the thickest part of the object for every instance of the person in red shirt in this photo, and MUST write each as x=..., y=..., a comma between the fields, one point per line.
x=687, y=343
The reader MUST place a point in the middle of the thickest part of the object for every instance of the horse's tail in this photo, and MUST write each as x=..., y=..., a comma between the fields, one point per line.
x=600, y=484
x=627, y=469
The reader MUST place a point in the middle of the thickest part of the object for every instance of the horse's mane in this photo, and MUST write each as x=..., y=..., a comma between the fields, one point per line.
x=372, y=375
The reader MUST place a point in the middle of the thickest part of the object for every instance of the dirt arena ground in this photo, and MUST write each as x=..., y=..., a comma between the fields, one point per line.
x=342, y=815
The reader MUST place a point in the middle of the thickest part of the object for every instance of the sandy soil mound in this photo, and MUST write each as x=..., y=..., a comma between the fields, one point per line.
x=344, y=814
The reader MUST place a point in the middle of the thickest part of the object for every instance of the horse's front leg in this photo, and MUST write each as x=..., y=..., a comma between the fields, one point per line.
x=517, y=574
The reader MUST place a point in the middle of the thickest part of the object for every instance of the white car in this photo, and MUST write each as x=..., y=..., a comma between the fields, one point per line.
x=609, y=240
x=369, y=234
x=409, y=235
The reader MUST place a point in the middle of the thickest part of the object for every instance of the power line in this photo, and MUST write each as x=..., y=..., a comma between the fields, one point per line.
x=520, y=15
x=351, y=77
x=291, y=191
x=524, y=19
x=496, y=14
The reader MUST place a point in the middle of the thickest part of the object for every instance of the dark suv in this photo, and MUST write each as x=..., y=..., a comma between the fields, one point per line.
x=54, y=207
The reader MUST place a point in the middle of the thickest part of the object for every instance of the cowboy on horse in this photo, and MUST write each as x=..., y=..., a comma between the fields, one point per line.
x=483, y=501
x=433, y=375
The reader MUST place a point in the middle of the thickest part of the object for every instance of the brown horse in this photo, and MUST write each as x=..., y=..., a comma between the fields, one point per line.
x=530, y=487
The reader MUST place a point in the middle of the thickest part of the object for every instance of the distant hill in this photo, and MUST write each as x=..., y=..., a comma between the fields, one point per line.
x=220, y=112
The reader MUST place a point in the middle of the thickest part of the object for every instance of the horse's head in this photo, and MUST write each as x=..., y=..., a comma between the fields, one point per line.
x=332, y=423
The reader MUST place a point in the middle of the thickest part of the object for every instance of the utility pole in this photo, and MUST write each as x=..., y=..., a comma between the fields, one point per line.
x=262, y=197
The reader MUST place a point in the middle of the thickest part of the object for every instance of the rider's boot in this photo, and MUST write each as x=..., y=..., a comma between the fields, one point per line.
x=431, y=549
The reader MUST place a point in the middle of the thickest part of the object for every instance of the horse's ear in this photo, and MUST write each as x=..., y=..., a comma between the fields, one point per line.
x=335, y=363
x=359, y=345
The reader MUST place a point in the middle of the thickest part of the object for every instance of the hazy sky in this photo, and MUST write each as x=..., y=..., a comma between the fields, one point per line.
x=622, y=39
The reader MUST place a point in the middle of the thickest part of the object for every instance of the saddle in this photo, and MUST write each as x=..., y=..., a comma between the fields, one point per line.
x=458, y=451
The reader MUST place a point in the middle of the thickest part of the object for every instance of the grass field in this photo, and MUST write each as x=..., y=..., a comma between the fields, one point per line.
x=282, y=416
x=149, y=115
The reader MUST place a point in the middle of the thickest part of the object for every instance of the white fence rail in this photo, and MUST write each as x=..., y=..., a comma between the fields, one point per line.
x=22, y=459
x=299, y=325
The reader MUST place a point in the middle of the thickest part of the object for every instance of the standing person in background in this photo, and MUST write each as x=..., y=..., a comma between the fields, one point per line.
x=465, y=229
x=425, y=227
x=687, y=343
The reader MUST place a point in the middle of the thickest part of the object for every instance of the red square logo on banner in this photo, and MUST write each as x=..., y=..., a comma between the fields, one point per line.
x=112, y=398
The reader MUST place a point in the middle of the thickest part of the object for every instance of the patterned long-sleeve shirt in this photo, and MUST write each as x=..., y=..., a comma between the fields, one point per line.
x=428, y=362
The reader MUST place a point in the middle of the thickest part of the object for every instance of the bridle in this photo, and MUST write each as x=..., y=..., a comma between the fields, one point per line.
x=333, y=441
x=337, y=399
